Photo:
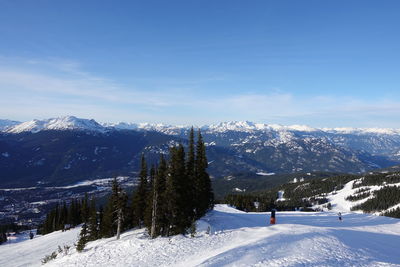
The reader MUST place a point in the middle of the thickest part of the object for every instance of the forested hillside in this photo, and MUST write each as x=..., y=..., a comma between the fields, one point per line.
x=377, y=193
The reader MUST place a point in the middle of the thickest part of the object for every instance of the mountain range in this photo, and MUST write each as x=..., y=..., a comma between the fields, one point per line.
x=68, y=149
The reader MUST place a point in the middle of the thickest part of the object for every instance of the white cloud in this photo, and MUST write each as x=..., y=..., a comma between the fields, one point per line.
x=41, y=89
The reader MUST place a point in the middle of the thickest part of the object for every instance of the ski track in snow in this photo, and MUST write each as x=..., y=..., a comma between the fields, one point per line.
x=236, y=239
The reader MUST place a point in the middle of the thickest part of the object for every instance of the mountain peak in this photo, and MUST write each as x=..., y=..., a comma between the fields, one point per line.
x=5, y=124
x=60, y=123
x=244, y=126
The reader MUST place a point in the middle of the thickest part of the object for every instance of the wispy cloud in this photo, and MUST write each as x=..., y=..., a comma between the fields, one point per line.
x=48, y=88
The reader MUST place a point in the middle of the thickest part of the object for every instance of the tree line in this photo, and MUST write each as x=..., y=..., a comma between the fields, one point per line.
x=62, y=217
x=168, y=199
x=8, y=228
x=306, y=194
x=383, y=199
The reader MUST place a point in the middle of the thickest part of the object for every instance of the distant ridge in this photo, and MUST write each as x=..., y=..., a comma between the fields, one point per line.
x=61, y=123
x=74, y=123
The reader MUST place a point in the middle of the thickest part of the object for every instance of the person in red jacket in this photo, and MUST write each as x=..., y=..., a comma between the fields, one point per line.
x=273, y=219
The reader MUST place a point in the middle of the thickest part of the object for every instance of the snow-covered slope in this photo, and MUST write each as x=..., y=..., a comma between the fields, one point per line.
x=31, y=252
x=62, y=123
x=5, y=124
x=339, y=203
x=236, y=239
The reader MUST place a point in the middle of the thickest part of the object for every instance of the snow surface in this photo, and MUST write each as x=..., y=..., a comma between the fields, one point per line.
x=30, y=252
x=235, y=238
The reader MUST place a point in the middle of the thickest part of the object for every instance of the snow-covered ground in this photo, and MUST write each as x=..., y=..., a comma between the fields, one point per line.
x=26, y=252
x=236, y=239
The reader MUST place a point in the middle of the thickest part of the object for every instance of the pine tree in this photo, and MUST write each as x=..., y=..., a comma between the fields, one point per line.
x=176, y=193
x=191, y=176
x=93, y=231
x=83, y=238
x=140, y=196
x=63, y=216
x=108, y=217
x=84, y=234
x=119, y=200
x=74, y=213
x=159, y=221
x=149, y=199
x=3, y=237
x=203, y=190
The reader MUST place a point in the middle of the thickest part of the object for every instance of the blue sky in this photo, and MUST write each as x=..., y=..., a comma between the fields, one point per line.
x=320, y=63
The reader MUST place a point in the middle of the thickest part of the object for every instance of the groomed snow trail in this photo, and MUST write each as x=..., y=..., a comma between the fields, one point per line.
x=31, y=252
x=246, y=239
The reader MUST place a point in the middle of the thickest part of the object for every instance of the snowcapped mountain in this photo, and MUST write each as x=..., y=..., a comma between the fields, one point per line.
x=74, y=123
x=232, y=148
x=5, y=124
x=61, y=123
x=247, y=126
x=157, y=127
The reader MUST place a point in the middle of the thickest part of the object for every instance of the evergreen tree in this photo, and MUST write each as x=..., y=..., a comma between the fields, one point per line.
x=140, y=196
x=3, y=237
x=119, y=200
x=149, y=199
x=84, y=234
x=85, y=209
x=202, y=186
x=176, y=193
x=93, y=231
x=191, y=175
x=74, y=213
x=159, y=222
x=83, y=238
x=108, y=218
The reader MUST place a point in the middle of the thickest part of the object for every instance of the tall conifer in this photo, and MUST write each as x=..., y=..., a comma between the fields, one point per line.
x=140, y=196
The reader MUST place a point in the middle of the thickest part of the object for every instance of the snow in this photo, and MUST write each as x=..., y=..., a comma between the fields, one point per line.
x=236, y=189
x=73, y=123
x=30, y=252
x=95, y=182
x=338, y=198
x=265, y=173
x=5, y=124
x=235, y=238
x=350, y=130
x=280, y=196
x=61, y=123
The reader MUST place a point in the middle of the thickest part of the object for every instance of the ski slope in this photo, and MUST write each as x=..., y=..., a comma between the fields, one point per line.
x=240, y=239
x=30, y=252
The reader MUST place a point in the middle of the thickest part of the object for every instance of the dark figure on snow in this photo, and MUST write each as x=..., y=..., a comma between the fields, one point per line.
x=340, y=216
x=30, y=235
x=273, y=219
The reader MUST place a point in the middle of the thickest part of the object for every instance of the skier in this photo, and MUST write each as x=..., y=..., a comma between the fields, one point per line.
x=340, y=216
x=273, y=219
x=31, y=235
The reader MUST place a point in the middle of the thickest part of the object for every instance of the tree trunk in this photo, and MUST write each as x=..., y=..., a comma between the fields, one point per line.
x=154, y=216
x=119, y=222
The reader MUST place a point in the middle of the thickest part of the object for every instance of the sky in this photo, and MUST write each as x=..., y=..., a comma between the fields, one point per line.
x=318, y=63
